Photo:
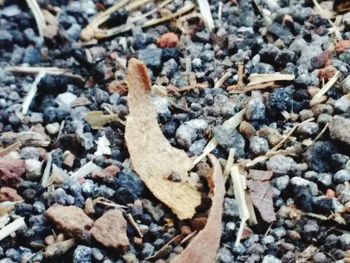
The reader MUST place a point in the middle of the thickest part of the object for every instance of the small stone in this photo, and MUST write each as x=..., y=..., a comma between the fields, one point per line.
x=280, y=164
x=281, y=99
x=339, y=161
x=152, y=57
x=147, y=250
x=342, y=104
x=30, y=153
x=339, y=127
x=33, y=169
x=272, y=135
x=268, y=240
x=346, y=86
x=255, y=110
x=308, y=129
x=258, y=145
x=97, y=254
x=325, y=179
x=65, y=99
x=52, y=128
x=246, y=129
x=5, y=38
x=168, y=40
x=169, y=68
x=270, y=259
x=31, y=55
x=281, y=182
x=281, y=32
x=82, y=254
x=344, y=240
x=110, y=230
x=11, y=170
x=71, y=220
x=318, y=156
x=319, y=257
x=68, y=159
x=230, y=139
x=109, y=171
x=224, y=255
x=341, y=176
x=9, y=194
x=185, y=135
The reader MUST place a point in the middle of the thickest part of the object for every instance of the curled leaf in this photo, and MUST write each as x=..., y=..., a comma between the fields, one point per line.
x=203, y=247
x=161, y=167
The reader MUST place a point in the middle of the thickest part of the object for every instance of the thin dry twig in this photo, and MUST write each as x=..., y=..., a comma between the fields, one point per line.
x=10, y=148
x=38, y=15
x=134, y=225
x=86, y=169
x=325, y=88
x=204, y=8
x=223, y=78
x=32, y=92
x=262, y=78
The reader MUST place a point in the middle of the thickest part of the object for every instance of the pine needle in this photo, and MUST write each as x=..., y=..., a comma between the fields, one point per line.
x=38, y=15
x=204, y=8
x=315, y=100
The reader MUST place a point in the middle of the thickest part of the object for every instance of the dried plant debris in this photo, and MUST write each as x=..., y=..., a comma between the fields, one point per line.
x=204, y=245
x=12, y=227
x=38, y=15
x=256, y=79
x=261, y=194
x=152, y=156
x=97, y=119
x=206, y=14
x=26, y=138
x=59, y=248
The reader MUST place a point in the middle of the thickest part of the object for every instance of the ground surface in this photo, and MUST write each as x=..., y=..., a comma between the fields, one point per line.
x=310, y=176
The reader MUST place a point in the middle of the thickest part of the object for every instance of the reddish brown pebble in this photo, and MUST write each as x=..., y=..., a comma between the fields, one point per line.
x=342, y=46
x=246, y=129
x=9, y=194
x=168, y=40
x=89, y=207
x=110, y=230
x=198, y=223
x=71, y=220
x=330, y=193
x=109, y=171
x=185, y=230
x=327, y=73
x=11, y=170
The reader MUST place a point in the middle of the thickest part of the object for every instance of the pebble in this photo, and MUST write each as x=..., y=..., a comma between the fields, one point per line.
x=308, y=129
x=341, y=176
x=71, y=220
x=281, y=182
x=152, y=57
x=258, y=145
x=224, y=255
x=319, y=257
x=318, y=156
x=147, y=250
x=270, y=259
x=82, y=254
x=110, y=230
x=185, y=135
x=325, y=179
x=280, y=164
x=344, y=241
x=31, y=56
x=65, y=99
x=128, y=187
x=281, y=32
x=97, y=254
x=5, y=38
x=11, y=170
x=281, y=99
x=33, y=169
x=230, y=140
x=339, y=127
x=255, y=110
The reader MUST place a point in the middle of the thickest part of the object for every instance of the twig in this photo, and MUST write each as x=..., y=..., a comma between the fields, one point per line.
x=134, y=225
x=86, y=169
x=47, y=70
x=321, y=132
x=188, y=237
x=239, y=191
x=172, y=88
x=233, y=88
x=223, y=78
x=46, y=174
x=163, y=249
x=12, y=227
x=38, y=15
x=229, y=163
x=262, y=78
x=32, y=92
x=324, y=89
x=10, y=148
x=204, y=8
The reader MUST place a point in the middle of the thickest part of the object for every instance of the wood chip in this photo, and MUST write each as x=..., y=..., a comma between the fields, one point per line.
x=97, y=119
x=59, y=248
x=27, y=138
x=203, y=247
x=153, y=157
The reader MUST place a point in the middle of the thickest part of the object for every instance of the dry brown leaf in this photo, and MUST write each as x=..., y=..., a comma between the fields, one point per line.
x=203, y=247
x=97, y=119
x=261, y=194
x=153, y=157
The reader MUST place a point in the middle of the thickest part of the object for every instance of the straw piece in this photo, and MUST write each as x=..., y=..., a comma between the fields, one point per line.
x=204, y=8
x=325, y=88
x=12, y=227
x=32, y=92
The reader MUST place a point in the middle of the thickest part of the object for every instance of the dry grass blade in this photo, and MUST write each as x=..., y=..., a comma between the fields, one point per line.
x=239, y=191
x=32, y=92
x=10, y=148
x=324, y=89
x=12, y=227
x=204, y=8
x=38, y=15
x=47, y=170
x=153, y=157
x=203, y=247
x=229, y=163
x=262, y=78
x=223, y=78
